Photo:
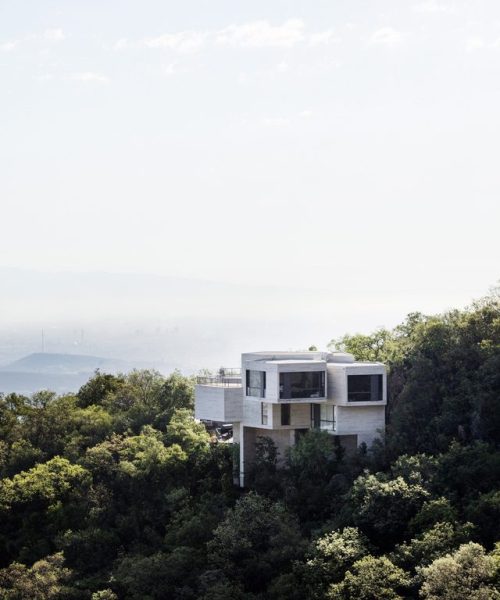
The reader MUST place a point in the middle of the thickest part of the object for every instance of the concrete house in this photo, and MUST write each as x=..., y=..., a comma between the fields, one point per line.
x=283, y=394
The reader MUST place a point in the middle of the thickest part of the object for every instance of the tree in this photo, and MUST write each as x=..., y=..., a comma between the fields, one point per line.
x=369, y=579
x=256, y=540
x=36, y=504
x=382, y=507
x=484, y=512
x=98, y=388
x=189, y=434
x=263, y=475
x=313, y=482
x=106, y=594
x=431, y=544
x=465, y=575
x=329, y=557
x=45, y=580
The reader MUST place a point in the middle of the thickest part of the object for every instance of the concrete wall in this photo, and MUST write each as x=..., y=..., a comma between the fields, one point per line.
x=218, y=403
x=283, y=440
x=363, y=421
x=260, y=362
x=300, y=416
x=337, y=381
x=252, y=415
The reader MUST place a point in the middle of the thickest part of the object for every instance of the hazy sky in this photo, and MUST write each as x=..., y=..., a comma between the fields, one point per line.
x=345, y=145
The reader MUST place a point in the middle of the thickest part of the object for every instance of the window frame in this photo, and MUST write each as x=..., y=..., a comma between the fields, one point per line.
x=374, y=390
x=264, y=413
x=253, y=391
x=286, y=415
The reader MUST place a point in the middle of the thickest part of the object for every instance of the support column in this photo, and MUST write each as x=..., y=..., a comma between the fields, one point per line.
x=242, y=456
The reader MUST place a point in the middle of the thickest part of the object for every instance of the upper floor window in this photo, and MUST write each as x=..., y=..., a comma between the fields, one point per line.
x=302, y=384
x=256, y=383
x=364, y=388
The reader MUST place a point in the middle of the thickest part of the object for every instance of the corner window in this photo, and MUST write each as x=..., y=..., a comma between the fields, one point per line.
x=256, y=383
x=264, y=413
x=285, y=414
x=364, y=388
x=322, y=417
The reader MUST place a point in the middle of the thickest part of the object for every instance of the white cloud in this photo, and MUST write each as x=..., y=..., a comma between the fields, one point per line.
x=54, y=35
x=9, y=46
x=122, y=44
x=49, y=35
x=261, y=34
x=386, y=36
x=89, y=77
x=474, y=43
x=276, y=122
x=322, y=38
x=306, y=114
x=182, y=41
x=432, y=6
x=44, y=77
x=170, y=69
x=254, y=34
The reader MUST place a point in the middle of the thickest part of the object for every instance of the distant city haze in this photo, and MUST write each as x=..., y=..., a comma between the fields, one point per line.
x=183, y=182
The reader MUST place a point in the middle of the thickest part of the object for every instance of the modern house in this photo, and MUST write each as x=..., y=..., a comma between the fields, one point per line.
x=281, y=395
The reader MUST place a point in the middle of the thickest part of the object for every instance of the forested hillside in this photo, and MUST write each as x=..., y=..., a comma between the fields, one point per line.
x=117, y=493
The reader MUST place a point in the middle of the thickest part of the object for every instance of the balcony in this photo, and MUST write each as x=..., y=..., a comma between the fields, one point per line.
x=323, y=425
x=224, y=377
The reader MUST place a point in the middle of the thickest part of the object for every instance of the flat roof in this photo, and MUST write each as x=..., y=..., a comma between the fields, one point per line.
x=295, y=361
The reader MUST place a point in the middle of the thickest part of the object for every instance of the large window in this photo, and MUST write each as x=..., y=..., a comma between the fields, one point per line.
x=322, y=417
x=307, y=384
x=364, y=388
x=256, y=383
x=285, y=414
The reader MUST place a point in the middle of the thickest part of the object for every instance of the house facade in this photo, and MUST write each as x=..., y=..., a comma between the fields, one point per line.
x=281, y=395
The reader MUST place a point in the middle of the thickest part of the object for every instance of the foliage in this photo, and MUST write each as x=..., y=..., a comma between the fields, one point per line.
x=371, y=578
x=117, y=492
x=256, y=539
x=382, y=507
x=465, y=575
x=45, y=580
x=329, y=557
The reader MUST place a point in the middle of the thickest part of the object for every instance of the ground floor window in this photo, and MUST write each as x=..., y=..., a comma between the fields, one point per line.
x=264, y=413
x=322, y=417
x=285, y=414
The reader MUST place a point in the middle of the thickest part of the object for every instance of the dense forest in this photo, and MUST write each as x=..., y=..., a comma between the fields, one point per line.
x=118, y=493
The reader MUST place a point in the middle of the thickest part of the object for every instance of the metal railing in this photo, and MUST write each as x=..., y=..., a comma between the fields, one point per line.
x=323, y=425
x=315, y=392
x=223, y=377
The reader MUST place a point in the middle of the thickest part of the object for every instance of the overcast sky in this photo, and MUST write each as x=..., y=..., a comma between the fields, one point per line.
x=343, y=145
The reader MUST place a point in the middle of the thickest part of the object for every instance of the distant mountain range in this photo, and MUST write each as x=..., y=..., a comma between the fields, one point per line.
x=48, y=362
x=58, y=372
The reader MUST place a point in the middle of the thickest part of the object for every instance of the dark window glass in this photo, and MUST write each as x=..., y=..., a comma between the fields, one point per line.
x=364, y=388
x=256, y=383
x=315, y=416
x=322, y=417
x=307, y=384
x=285, y=414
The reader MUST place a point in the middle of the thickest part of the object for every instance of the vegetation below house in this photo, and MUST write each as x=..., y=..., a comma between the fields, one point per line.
x=116, y=492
